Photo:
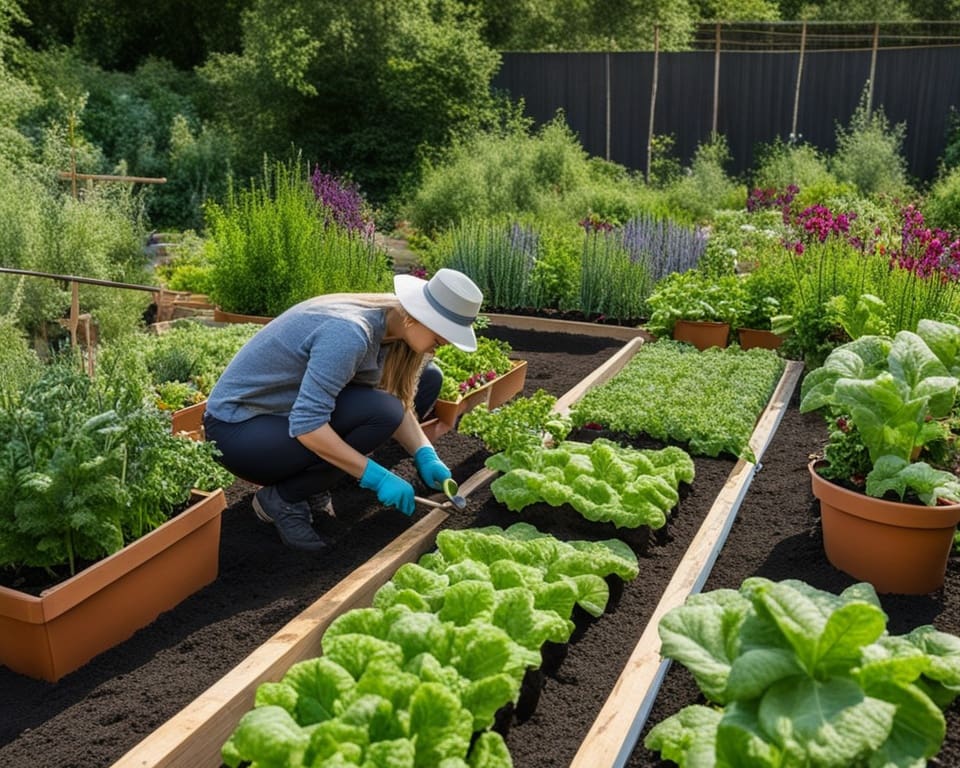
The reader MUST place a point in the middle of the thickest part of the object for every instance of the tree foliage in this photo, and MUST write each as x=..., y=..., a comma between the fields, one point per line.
x=362, y=88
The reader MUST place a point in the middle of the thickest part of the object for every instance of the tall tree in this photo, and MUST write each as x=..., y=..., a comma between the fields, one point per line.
x=122, y=34
x=361, y=87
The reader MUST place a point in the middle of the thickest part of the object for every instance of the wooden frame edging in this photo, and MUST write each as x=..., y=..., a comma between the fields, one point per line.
x=615, y=732
x=195, y=735
x=548, y=325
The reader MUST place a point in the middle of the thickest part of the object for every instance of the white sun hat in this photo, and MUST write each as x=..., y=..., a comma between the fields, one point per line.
x=447, y=304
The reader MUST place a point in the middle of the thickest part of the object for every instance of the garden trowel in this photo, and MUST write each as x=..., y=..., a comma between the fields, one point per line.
x=452, y=491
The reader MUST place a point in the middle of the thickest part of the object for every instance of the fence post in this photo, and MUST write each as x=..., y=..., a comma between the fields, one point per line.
x=653, y=96
x=607, y=80
x=873, y=66
x=716, y=81
x=796, y=90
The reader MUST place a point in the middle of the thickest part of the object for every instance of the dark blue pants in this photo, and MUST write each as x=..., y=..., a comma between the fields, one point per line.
x=260, y=450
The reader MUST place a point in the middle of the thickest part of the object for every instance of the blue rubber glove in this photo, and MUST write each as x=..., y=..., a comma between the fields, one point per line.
x=391, y=489
x=431, y=469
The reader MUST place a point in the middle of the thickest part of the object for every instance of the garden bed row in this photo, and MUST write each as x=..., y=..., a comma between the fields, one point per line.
x=197, y=732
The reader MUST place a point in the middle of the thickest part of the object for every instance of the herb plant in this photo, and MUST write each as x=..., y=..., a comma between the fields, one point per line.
x=695, y=295
x=798, y=676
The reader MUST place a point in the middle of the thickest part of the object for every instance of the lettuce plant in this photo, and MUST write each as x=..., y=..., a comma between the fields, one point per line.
x=893, y=391
x=408, y=682
x=708, y=400
x=603, y=481
x=799, y=677
x=524, y=422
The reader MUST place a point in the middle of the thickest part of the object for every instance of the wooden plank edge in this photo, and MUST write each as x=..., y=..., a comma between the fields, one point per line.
x=770, y=418
x=548, y=325
x=616, y=730
x=195, y=735
x=602, y=374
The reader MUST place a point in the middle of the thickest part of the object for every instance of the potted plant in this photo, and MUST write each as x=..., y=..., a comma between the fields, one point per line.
x=101, y=529
x=486, y=376
x=888, y=517
x=765, y=293
x=696, y=307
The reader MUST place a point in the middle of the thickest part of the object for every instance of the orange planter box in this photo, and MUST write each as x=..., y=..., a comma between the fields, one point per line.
x=492, y=394
x=51, y=635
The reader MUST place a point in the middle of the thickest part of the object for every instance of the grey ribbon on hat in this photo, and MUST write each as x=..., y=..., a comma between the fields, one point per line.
x=449, y=314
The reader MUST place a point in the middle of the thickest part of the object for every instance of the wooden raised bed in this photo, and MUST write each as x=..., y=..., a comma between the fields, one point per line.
x=194, y=736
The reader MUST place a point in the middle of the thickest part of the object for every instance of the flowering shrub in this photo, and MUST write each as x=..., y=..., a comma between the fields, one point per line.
x=342, y=203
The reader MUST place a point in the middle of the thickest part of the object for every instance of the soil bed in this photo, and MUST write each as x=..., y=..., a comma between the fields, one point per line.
x=95, y=715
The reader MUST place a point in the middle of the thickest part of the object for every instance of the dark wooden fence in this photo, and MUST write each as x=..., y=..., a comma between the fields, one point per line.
x=749, y=96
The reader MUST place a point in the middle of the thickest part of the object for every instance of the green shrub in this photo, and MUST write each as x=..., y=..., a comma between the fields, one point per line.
x=780, y=164
x=272, y=248
x=942, y=204
x=706, y=188
x=869, y=153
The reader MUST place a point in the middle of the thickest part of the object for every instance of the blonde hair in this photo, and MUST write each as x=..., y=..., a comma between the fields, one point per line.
x=402, y=367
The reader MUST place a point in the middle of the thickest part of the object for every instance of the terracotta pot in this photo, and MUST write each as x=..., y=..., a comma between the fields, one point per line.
x=51, y=635
x=754, y=337
x=219, y=316
x=701, y=333
x=898, y=548
x=492, y=394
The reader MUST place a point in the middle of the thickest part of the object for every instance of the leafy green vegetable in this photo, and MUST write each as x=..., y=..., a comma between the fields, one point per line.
x=524, y=422
x=409, y=686
x=893, y=392
x=708, y=400
x=602, y=480
x=464, y=371
x=799, y=676
x=89, y=465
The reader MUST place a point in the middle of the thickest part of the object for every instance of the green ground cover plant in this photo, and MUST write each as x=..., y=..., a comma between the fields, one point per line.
x=708, y=401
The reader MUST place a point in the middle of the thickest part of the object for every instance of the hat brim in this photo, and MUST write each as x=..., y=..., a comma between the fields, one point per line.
x=409, y=290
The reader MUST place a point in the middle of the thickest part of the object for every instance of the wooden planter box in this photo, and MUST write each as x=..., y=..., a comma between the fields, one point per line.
x=219, y=316
x=189, y=421
x=492, y=394
x=51, y=635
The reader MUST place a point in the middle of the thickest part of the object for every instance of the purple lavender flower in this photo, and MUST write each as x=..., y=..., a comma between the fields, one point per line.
x=342, y=203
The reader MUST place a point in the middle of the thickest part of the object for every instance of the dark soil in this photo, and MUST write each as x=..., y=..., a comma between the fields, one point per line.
x=93, y=716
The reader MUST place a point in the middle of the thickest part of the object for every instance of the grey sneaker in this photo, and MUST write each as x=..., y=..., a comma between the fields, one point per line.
x=291, y=519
